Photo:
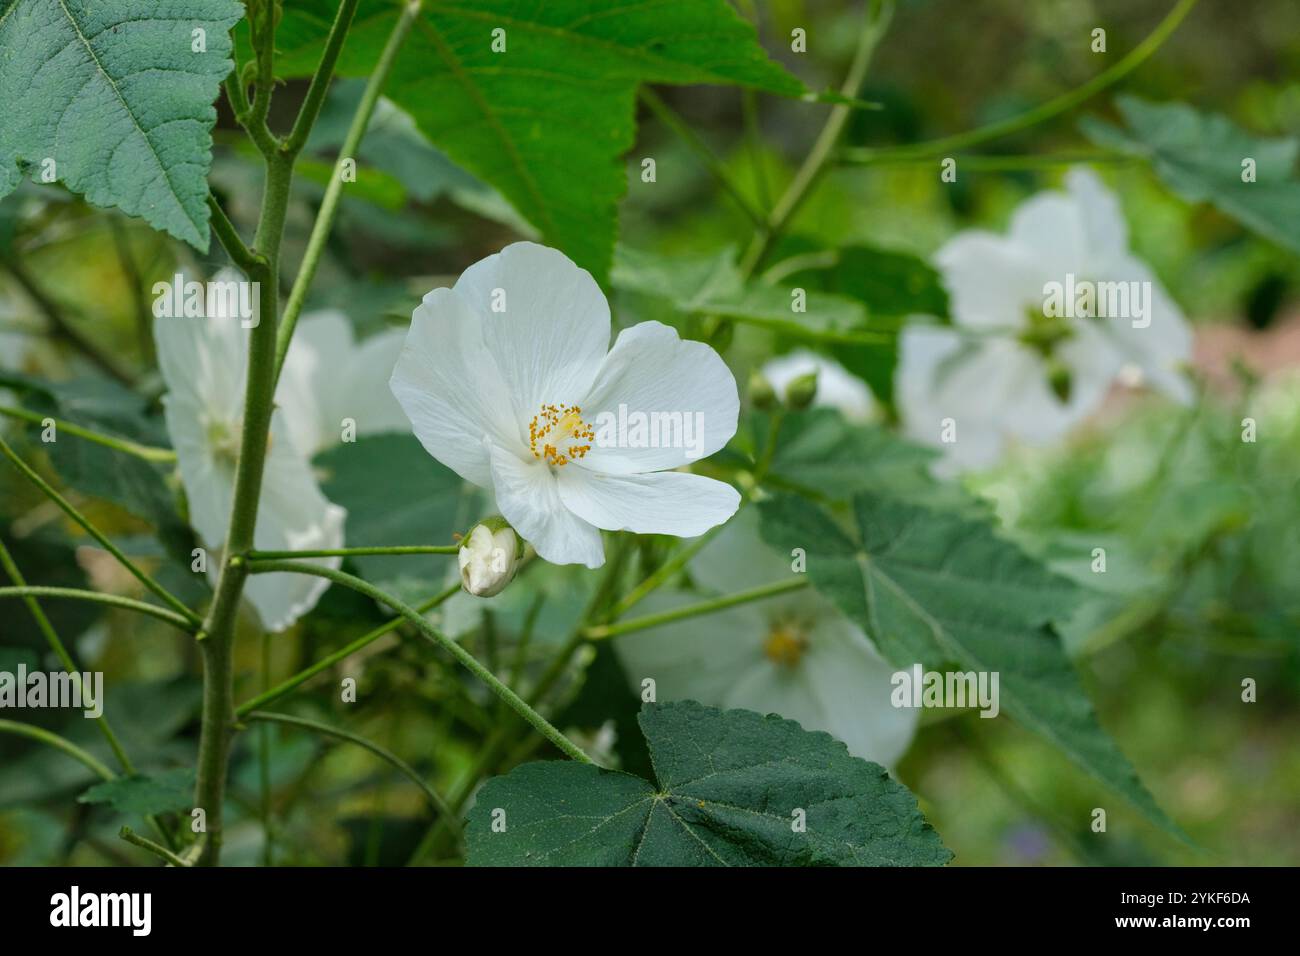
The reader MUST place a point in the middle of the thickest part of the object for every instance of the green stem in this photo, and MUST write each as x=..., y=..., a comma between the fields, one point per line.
x=435, y=799
x=513, y=700
x=878, y=15
x=320, y=81
x=230, y=240
x=146, y=452
x=164, y=854
x=325, y=663
x=695, y=610
x=58, y=743
x=352, y=552
x=669, y=118
x=334, y=191
x=67, y=508
x=1052, y=108
x=664, y=572
x=112, y=600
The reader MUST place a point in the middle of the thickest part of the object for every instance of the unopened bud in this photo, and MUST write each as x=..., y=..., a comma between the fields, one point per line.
x=488, y=557
x=761, y=393
x=799, y=394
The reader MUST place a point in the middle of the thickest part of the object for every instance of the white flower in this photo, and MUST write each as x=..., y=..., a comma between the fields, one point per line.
x=796, y=655
x=1010, y=369
x=508, y=379
x=328, y=379
x=488, y=558
x=836, y=387
x=204, y=363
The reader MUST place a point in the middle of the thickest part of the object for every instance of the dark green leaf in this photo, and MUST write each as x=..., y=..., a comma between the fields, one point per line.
x=728, y=790
x=943, y=590
x=145, y=794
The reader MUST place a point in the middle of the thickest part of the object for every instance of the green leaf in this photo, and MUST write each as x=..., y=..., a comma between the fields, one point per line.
x=713, y=286
x=548, y=120
x=1199, y=156
x=818, y=452
x=115, y=95
x=943, y=590
x=728, y=788
x=396, y=494
x=145, y=794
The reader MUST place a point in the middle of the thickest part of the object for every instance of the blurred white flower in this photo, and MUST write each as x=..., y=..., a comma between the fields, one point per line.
x=329, y=379
x=1029, y=354
x=508, y=379
x=836, y=387
x=794, y=655
x=204, y=363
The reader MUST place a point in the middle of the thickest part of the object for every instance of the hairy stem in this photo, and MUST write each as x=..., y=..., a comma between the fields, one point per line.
x=146, y=452
x=695, y=610
x=471, y=663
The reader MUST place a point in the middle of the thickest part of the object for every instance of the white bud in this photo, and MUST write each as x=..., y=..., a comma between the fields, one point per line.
x=488, y=557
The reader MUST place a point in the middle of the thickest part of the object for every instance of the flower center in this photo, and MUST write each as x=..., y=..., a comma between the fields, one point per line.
x=785, y=645
x=558, y=435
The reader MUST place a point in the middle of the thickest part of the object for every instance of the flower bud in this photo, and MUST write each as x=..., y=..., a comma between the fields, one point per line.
x=488, y=557
x=1059, y=380
x=761, y=393
x=799, y=394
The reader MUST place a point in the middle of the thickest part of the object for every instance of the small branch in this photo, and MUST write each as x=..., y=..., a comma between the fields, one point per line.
x=44, y=736
x=1049, y=110
x=674, y=122
x=228, y=236
x=665, y=571
x=98, y=597
x=878, y=15
x=325, y=663
x=353, y=552
x=695, y=610
x=147, y=452
x=190, y=619
x=334, y=191
x=320, y=80
x=164, y=854
x=513, y=700
x=435, y=799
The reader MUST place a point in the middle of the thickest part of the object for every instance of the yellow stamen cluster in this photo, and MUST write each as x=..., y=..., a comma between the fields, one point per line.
x=558, y=434
x=785, y=645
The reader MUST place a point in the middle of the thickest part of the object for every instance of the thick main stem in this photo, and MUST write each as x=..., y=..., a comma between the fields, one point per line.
x=216, y=728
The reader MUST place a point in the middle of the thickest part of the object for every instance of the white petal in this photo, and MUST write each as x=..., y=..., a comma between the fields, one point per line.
x=1104, y=227
x=529, y=499
x=368, y=399
x=651, y=369
x=1052, y=229
x=852, y=685
x=554, y=330
x=450, y=388
x=317, y=358
x=700, y=662
x=991, y=281
x=666, y=502
x=203, y=358
x=836, y=387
